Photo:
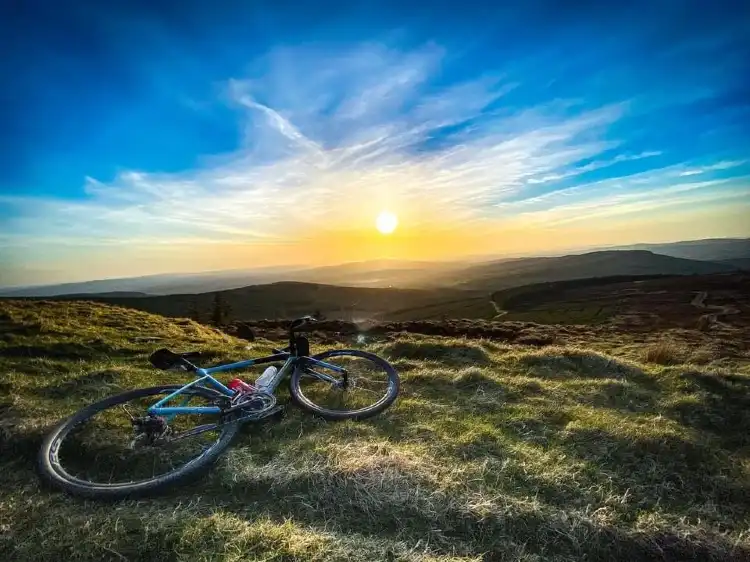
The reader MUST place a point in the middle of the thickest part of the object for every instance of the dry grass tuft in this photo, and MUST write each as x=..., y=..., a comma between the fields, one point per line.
x=666, y=352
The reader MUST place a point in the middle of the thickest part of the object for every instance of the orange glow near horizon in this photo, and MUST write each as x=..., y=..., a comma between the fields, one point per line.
x=419, y=238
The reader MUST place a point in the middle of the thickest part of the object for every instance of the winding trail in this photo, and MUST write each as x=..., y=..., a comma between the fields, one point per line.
x=498, y=311
x=699, y=301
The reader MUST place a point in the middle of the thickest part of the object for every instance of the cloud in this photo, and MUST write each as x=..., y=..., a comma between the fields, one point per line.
x=724, y=165
x=637, y=201
x=332, y=137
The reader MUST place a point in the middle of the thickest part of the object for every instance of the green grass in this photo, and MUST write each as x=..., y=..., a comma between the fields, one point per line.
x=478, y=307
x=565, y=313
x=493, y=452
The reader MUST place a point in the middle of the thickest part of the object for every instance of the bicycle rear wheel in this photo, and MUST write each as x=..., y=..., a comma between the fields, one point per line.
x=370, y=385
x=113, y=449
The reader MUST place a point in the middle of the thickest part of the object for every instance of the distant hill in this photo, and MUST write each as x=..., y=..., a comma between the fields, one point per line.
x=465, y=291
x=739, y=263
x=712, y=249
x=161, y=284
x=372, y=273
x=405, y=273
x=111, y=294
x=502, y=274
x=377, y=273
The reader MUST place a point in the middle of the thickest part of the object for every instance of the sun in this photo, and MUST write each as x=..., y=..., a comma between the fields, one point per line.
x=386, y=222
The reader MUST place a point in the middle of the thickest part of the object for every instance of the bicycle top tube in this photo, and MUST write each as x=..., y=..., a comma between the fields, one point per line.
x=244, y=364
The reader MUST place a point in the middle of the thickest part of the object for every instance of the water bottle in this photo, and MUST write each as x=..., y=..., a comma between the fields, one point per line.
x=264, y=380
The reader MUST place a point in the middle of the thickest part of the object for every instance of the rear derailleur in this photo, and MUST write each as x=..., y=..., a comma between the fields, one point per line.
x=149, y=430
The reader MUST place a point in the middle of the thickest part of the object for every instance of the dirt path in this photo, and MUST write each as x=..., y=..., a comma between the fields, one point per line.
x=498, y=311
x=699, y=301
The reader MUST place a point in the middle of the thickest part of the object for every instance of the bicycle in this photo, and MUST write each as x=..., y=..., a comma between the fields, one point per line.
x=82, y=460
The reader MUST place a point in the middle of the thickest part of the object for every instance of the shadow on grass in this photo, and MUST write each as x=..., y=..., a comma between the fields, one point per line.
x=585, y=365
x=376, y=502
x=449, y=386
x=722, y=409
x=662, y=471
x=408, y=511
x=94, y=385
x=450, y=355
x=69, y=350
x=16, y=441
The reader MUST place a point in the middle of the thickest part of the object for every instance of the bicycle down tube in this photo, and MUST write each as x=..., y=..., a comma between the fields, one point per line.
x=160, y=409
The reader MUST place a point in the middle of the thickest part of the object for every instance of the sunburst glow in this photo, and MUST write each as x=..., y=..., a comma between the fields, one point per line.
x=386, y=222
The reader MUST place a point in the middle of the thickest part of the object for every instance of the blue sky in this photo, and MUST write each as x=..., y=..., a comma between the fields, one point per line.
x=206, y=135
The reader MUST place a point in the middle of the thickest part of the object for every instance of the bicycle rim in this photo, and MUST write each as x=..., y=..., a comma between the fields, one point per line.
x=370, y=385
x=103, y=449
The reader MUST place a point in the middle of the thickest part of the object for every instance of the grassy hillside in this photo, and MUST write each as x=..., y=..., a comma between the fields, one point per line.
x=739, y=263
x=485, y=275
x=493, y=452
x=655, y=302
x=494, y=276
x=292, y=299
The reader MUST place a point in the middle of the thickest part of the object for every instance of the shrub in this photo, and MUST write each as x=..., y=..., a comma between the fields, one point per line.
x=665, y=352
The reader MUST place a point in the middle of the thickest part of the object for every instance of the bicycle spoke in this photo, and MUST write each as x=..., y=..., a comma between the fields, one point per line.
x=331, y=392
x=105, y=448
x=368, y=390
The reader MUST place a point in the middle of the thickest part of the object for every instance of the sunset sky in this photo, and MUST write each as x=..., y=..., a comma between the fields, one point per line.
x=147, y=136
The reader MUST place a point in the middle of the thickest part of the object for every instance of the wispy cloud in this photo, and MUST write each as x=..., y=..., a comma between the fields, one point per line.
x=724, y=165
x=330, y=138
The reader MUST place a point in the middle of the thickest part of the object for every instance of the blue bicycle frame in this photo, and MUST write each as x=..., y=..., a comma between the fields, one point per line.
x=204, y=376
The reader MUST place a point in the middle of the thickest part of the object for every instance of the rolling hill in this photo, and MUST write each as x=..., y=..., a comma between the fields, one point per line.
x=465, y=293
x=417, y=274
x=372, y=273
x=400, y=273
x=290, y=299
x=739, y=263
x=493, y=276
x=712, y=249
x=160, y=284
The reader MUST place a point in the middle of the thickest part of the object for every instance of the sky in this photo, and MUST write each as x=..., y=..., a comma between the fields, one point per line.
x=156, y=136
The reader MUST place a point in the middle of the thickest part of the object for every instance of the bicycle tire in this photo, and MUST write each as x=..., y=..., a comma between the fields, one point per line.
x=336, y=415
x=53, y=473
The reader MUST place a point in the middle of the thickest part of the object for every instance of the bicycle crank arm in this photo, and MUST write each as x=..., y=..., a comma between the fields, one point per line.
x=194, y=431
x=259, y=415
x=211, y=426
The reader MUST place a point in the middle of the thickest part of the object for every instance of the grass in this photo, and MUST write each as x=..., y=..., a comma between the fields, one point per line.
x=493, y=452
x=665, y=352
x=566, y=313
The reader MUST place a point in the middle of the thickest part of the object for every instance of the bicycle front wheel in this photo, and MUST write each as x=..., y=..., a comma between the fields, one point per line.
x=114, y=449
x=345, y=384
